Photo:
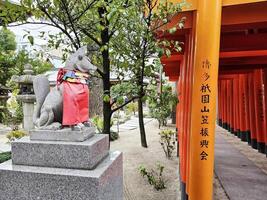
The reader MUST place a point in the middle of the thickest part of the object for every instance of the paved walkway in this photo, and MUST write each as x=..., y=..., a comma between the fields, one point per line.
x=240, y=177
x=4, y=147
x=130, y=124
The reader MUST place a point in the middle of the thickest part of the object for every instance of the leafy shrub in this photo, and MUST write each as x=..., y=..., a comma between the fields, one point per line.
x=114, y=135
x=132, y=108
x=99, y=123
x=160, y=105
x=5, y=156
x=154, y=177
x=15, y=134
x=13, y=115
x=167, y=141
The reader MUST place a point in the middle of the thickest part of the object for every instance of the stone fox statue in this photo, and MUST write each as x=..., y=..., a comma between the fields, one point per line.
x=67, y=103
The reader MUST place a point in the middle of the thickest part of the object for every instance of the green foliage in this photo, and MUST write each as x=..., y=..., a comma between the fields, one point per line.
x=23, y=58
x=12, y=63
x=154, y=177
x=99, y=123
x=5, y=156
x=15, y=134
x=122, y=32
x=161, y=104
x=114, y=135
x=132, y=108
x=13, y=115
x=167, y=141
x=7, y=40
x=124, y=90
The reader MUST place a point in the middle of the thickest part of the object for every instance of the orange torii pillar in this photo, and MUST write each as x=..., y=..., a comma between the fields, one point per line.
x=242, y=88
x=219, y=103
x=231, y=107
x=204, y=93
x=247, y=117
x=258, y=96
x=237, y=112
x=252, y=114
x=224, y=104
x=265, y=106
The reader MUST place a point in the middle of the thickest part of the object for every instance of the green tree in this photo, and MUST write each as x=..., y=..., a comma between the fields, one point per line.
x=7, y=54
x=137, y=44
x=161, y=104
x=81, y=22
x=7, y=40
x=12, y=63
x=102, y=24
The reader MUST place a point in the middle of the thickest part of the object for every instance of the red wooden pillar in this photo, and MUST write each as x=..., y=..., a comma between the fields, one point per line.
x=186, y=124
x=252, y=114
x=231, y=107
x=178, y=111
x=219, y=104
x=235, y=106
x=237, y=102
x=246, y=101
x=258, y=92
x=224, y=99
x=191, y=47
x=227, y=125
x=242, y=133
x=265, y=106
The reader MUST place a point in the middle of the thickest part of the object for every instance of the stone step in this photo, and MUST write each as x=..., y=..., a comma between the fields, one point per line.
x=74, y=155
x=65, y=134
x=105, y=182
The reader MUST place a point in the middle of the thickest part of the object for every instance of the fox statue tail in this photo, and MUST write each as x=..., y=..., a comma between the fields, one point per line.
x=41, y=89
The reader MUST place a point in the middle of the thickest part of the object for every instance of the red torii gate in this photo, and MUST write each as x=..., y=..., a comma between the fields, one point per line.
x=241, y=82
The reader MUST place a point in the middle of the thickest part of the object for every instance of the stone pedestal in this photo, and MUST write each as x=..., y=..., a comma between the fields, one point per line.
x=61, y=170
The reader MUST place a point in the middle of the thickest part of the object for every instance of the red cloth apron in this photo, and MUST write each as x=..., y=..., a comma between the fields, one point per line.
x=75, y=102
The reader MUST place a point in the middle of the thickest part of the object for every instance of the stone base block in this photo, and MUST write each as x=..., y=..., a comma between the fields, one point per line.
x=65, y=134
x=75, y=155
x=18, y=182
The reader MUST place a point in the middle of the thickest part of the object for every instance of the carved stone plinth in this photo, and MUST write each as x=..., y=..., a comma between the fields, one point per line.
x=62, y=170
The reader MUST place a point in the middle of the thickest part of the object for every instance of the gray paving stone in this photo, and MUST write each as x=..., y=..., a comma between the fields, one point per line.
x=75, y=155
x=240, y=177
x=18, y=182
x=5, y=147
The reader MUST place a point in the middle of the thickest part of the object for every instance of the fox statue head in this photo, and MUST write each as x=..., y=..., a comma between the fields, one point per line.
x=80, y=61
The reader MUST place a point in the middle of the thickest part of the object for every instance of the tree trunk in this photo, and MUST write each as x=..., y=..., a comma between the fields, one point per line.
x=106, y=70
x=141, y=123
x=106, y=87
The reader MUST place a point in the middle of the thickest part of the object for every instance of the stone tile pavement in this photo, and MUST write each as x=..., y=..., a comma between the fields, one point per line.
x=240, y=177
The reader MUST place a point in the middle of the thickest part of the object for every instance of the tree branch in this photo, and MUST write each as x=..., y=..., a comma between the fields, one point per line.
x=71, y=22
x=126, y=103
x=85, y=32
x=36, y=23
x=43, y=9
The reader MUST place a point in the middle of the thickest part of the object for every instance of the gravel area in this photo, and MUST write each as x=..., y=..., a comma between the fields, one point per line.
x=136, y=187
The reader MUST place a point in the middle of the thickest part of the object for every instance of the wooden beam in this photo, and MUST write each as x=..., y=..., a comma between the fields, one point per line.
x=242, y=42
x=241, y=54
